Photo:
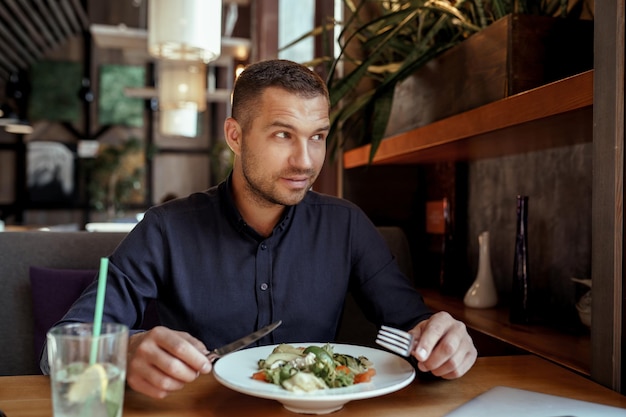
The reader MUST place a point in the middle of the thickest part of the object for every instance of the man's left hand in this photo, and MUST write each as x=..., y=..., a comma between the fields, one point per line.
x=443, y=346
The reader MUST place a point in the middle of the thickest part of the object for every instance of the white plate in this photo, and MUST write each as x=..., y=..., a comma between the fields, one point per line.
x=392, y=373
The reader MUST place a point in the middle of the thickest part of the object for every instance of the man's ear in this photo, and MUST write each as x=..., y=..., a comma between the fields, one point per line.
x=232, y=134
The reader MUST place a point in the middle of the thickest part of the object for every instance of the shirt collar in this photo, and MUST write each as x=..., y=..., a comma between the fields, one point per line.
x=232, y=213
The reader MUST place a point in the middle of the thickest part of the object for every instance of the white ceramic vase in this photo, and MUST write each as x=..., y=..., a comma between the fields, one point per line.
x=482, y=293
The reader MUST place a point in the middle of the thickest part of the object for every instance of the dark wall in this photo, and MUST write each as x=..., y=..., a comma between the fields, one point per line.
x=558, y=183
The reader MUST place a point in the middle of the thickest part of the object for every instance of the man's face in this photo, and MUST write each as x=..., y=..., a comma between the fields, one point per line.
x=283, y=150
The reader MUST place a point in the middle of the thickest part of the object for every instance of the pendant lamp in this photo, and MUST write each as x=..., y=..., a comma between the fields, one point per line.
x=182, y=95
x=179, y=122
x=188, y=30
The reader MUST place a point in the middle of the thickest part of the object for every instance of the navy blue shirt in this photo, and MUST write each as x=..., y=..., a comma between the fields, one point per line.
x=217, y=279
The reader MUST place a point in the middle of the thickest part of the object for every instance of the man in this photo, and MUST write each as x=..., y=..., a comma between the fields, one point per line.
x=261, y=247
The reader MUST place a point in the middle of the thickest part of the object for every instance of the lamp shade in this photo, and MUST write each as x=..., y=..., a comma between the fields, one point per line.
x=185, y=29
x=182, y=95
x=179, y=122
x=181, y=83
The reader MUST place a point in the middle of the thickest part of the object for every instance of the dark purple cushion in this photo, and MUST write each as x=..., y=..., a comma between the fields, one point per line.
x=54, y=291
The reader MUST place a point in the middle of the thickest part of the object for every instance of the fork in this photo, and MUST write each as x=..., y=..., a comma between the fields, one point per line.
x=395, y=340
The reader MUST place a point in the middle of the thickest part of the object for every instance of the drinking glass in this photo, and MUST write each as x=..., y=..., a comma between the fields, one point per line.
x=87, y=372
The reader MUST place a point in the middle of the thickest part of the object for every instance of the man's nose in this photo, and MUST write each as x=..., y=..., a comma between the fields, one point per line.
x=301, y=156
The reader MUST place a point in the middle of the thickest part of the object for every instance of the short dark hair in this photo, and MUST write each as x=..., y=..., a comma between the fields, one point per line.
x=256, y=78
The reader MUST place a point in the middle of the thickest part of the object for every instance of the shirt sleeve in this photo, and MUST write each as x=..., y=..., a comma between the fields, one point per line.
x=383, y=292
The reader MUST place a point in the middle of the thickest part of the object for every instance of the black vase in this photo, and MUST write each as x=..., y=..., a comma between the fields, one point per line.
x=448, y=271
x=520, y=309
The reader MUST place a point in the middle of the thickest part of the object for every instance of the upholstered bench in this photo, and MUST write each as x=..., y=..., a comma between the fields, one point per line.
x=19, y=251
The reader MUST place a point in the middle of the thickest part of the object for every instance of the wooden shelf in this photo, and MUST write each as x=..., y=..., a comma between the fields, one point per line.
x=554, y=115
x=570, y=351
x=478, y=133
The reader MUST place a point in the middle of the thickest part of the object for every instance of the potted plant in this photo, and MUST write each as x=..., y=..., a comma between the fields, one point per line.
x=116, y=176
x=382, y=43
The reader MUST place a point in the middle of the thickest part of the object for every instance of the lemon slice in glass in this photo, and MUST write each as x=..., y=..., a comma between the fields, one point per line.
x=92, y=379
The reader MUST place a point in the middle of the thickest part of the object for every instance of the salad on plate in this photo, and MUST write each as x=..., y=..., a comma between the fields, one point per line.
x=312, y=368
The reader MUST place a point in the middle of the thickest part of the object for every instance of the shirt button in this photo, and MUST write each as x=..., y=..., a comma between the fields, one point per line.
x=263, y=246
x=264, y=287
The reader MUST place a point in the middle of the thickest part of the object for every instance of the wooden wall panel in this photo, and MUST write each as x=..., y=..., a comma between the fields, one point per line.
x=608, y=198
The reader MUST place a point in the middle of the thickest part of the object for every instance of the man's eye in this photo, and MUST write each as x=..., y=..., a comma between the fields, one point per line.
x=318, y=137
x=282, y=135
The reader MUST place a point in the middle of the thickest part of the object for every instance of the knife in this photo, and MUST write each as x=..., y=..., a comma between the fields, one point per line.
x=215, y=354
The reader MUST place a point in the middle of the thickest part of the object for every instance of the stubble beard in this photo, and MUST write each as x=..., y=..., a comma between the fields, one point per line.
x=264, y=190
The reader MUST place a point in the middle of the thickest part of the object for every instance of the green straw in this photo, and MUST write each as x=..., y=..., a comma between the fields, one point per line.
x=97, y=318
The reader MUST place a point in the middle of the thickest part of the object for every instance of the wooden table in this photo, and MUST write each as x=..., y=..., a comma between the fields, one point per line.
x=29, y=396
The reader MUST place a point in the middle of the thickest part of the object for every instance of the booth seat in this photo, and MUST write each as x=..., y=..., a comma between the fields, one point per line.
x=19, y=251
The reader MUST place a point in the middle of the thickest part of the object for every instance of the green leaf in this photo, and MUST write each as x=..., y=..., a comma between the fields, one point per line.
x=350, y=81
x=382, y=111
x=319, y=30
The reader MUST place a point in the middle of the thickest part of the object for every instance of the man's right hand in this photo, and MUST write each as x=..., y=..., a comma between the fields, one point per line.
x=162, y=360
